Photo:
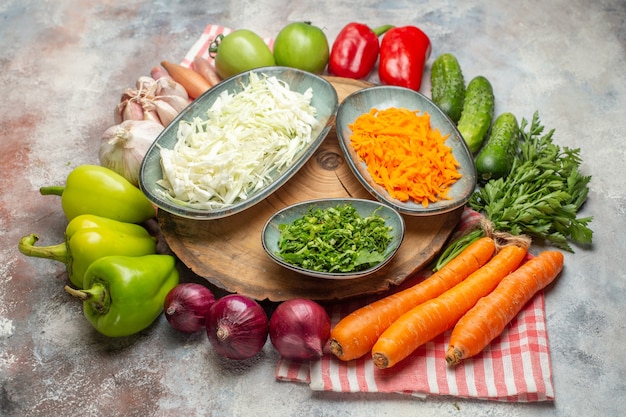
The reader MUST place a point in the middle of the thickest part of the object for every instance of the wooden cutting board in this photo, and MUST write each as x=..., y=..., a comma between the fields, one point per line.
x=228, y=252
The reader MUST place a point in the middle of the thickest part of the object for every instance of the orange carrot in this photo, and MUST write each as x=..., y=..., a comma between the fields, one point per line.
x=194, y=83
x=491, y=314
x=203, y=67
x=356, y=333
x=433, y=317
x=405, y=155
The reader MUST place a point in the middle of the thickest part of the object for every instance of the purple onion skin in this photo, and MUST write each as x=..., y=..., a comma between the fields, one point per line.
x=299, y=329
x=237, y=327
x=187, y=305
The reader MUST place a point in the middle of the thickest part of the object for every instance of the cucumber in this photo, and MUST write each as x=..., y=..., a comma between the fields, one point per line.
x=495, y=159
x=477, y=112
x=447, y=85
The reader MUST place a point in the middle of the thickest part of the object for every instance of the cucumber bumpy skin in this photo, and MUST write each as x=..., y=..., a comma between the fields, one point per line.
x=477, y=113
x=448, y=85
x=495, y=159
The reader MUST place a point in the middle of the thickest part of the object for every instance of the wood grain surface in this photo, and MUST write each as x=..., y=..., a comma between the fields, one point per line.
x=228, y=252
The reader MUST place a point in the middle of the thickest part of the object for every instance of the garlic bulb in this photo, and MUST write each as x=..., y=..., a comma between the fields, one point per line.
x=124, y=146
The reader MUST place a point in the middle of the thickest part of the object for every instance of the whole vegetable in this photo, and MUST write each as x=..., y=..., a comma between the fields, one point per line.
x=302, y=45
x=355, y=50
x=448, y=85
x=123, y=295
x=124, y=146
x=93, y=189
x=240, y=51
x=495, y=159
x=403, y=54
x=477, y=113
x=89, y=237
x=237, y=327
x=187, y=305
x=299, y=329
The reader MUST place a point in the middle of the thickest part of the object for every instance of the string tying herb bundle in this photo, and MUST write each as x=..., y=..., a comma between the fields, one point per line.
x=539, y=198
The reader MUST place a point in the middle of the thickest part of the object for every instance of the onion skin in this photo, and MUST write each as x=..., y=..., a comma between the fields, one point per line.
x=187, y=305
x=299, y=329
x=237, y=327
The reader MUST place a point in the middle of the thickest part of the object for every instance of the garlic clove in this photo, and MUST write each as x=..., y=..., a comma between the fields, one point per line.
x=147, y=86
x=166, y=86
x=166, y=112
x=177, y=102
x=150, y=112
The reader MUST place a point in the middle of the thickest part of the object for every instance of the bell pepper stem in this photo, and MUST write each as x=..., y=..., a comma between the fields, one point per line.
x=381, y=29
x=97, y=296
x=56, y=252
x=52, y=190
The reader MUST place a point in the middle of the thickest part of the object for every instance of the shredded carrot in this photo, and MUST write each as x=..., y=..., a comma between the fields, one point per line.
x=405, y=155
x=433, y=317
x=356, y=333
x=492, y=313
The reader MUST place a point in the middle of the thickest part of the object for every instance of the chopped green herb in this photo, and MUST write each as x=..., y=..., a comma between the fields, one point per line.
x=336, y=239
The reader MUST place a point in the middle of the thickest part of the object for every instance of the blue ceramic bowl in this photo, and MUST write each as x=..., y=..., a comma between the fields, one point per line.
x=384, y=97
x=324, y=100
x=271, y=233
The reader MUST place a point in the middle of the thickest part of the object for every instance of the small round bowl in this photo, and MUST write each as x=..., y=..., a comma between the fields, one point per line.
x=384, y=97
x=271, y=233
x=324, y=100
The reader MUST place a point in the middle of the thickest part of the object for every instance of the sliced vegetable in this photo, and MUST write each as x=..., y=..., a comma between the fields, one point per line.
x=431, y=318
x=302, y=45
x=477, y=112
x=492, y=313
x=336, y=239
x=194, y=83
x=404, y=154
x=245, y=140
x=495, y=159
x=448, y=85
x=356, y=333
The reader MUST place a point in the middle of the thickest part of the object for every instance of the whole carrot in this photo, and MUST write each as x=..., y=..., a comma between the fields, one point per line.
x=431, y=318
x=488, y=318
x=356, y=333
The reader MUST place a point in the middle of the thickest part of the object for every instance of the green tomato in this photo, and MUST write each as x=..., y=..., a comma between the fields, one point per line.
x=302, y=45
x=240, y=51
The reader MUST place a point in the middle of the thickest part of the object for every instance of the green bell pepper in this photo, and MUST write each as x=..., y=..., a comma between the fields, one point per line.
x=93, y=189
x=89, y=237
x=123, y=295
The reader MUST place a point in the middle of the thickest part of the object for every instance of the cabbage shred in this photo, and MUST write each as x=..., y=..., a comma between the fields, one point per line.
x=247, y=139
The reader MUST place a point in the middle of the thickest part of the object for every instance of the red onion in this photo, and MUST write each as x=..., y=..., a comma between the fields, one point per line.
x=237, y=327
x=187, y=305
x=299, y=329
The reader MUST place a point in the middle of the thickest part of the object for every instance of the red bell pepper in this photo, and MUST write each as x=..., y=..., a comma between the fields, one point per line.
x=355, y=50
x=403, y=53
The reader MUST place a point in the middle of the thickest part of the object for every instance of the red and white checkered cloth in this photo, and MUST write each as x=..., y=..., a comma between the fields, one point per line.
x=514, y=367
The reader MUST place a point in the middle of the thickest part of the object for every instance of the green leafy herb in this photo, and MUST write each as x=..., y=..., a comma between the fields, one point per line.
x=336, y=239
x=540, y=197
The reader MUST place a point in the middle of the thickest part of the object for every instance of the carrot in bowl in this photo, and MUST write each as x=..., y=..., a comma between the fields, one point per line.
x=431, y=318
x=357, y=332
x=491, y=314
x=405, y=155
